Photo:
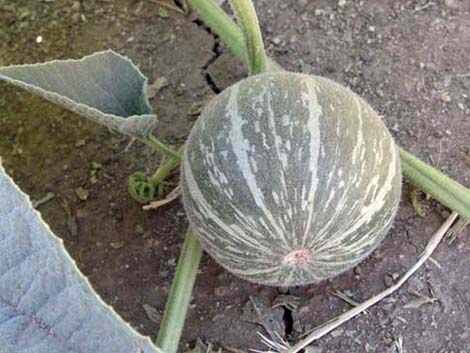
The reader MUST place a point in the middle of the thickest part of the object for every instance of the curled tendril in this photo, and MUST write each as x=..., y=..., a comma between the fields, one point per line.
x=143, y=189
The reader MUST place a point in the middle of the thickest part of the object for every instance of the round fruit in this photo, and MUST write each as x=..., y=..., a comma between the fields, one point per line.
x=290, y=179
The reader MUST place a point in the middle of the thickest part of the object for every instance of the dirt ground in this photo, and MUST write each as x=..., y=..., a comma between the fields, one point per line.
x=409, y=59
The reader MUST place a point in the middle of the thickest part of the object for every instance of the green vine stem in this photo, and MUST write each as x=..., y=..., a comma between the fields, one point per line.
x=177, y=304
x=162, y=172
x=438, y=185
x=161, y=147
x=222, y=25
x=144, y=188
x=248, y=21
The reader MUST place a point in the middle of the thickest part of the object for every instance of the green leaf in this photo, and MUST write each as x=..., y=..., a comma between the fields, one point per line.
x=104, y=87
x=46, y=305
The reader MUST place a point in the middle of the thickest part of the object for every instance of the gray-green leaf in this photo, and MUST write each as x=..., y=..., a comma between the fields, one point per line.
x=46, y=305
x=105, y=87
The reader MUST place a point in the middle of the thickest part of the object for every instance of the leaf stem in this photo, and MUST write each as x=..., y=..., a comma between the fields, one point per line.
x=444, y=189
x=221, y=23
x=162, y=172
x=161, y=147
x=248, y=21
x=179, y=298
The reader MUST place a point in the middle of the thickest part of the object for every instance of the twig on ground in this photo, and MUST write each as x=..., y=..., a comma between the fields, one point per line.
x=341, y=319
x=173, y=195
x=456, y=229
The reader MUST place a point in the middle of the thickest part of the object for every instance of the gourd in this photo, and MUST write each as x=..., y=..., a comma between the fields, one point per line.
x=289, y=179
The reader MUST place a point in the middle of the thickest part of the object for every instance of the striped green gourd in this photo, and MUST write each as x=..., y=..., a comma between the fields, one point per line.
x=289, y=179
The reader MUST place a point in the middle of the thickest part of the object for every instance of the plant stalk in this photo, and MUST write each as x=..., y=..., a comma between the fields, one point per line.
x=444, y=189
x=161, y=147
x=222, y=25
x=162, y=172
x=248, y=22
x=177, y=304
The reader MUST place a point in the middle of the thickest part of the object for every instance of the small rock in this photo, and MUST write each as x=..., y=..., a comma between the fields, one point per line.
x=139, y=229
x=445, y=97
x=117, y=244
x=276, y=41
x=371, y=29
x=162, y=12
x=82, y=193
x=221, y=291
x=461, y=106
x=80, y=143
x=96, y=165
x=341, y=3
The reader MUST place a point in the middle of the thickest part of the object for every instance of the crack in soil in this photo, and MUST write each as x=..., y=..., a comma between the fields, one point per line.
x=288, y=319
x=216, y=52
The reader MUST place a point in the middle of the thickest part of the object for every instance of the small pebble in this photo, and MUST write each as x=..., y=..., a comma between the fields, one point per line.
x=445, y=97
x=276, y=41
x=82, y=193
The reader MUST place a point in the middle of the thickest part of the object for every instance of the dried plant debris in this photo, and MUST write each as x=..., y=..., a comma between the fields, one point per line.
x=43, y=200
x=457, y=229
x=416, y=201
x=153, y=314
x=346, y=296
x=154, y=88
x=173, y=195
x=419, y=301
x=72, y=224
x=201, y=347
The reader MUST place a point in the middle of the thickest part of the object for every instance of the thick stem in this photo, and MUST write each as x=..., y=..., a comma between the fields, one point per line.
x=438, y=185
x=222, y=25
x=248, y=21
x=177, y=304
